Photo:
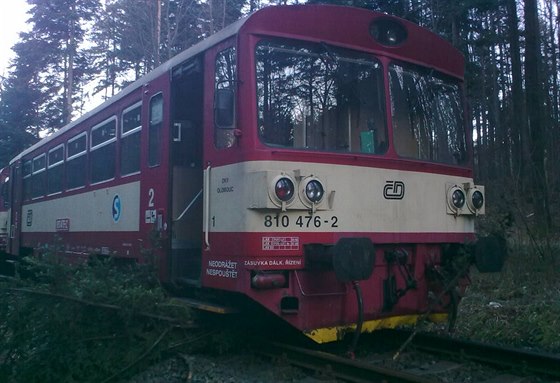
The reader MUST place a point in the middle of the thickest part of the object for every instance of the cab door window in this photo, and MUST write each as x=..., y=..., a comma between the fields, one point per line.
x=224, y=98
x=155, y=130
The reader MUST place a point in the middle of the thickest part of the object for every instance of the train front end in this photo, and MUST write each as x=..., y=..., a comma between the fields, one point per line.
x=352, y=205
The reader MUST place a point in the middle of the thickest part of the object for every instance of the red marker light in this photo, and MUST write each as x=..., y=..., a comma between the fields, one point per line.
x=284, y=189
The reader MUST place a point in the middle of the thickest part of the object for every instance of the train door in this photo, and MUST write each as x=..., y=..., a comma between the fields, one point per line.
x=154, y=184
x=15, y=193
x=187, y=173
x=4, y=206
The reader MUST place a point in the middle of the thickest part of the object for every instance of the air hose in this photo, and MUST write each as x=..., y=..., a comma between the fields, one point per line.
x=358, y=331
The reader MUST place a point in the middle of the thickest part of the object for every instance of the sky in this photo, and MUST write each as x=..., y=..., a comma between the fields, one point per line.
x=12, y=21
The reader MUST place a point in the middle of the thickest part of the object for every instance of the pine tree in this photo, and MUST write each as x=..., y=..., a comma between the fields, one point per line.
x=61, y=25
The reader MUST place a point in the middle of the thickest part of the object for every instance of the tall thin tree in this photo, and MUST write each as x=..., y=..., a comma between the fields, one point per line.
x=535, y=115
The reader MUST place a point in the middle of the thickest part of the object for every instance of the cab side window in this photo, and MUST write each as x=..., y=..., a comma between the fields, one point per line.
x=224, y=98
x=155, y=130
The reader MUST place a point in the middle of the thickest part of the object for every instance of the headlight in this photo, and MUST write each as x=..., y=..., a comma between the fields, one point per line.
x=314, y=191
x=477, y=199
x=388, y=32
x=284, y=189
x=458, y=198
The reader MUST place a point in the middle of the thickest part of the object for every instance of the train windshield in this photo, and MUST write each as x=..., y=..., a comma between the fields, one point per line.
x=318, y=97
x=427, y=115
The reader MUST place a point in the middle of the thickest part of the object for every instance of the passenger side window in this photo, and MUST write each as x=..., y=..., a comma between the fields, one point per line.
x=76, y=162
x=130, y=140
x=55, y=177
x=39, y=178
x=103, y=145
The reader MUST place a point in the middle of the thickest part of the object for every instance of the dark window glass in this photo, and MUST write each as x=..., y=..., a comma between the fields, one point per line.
x=39, y=177
x=131, y=120
x=56, y=156
x=75, y=172
x=427, y=112
x=27, y=168
x=320, y=97
x=103, y=163
x=155, y=130
x=103, y=133
x=103, y=151
x=39, y=163
x=77, y=145
x=5, y=193
x=225, y=75
x=130, y=141
x=76, y=163
x=26, y=173
x=226, y=69
x=55, y=178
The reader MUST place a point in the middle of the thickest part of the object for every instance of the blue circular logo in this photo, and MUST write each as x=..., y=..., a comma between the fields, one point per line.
x=117, y=209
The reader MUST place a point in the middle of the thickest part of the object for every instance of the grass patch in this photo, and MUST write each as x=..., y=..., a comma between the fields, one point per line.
x=519, y=306
x=85, y=323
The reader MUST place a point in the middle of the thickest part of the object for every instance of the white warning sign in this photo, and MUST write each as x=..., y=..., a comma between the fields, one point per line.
x=280, y=243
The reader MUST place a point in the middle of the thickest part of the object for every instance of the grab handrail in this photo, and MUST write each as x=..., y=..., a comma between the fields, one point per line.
x=207, y=206
x=188, y=206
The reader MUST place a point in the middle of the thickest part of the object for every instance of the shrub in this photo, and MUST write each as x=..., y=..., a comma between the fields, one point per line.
x=90, y=322
x=518, y=306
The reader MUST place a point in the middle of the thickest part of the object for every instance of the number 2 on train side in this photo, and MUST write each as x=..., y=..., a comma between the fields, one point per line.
x=151, y=194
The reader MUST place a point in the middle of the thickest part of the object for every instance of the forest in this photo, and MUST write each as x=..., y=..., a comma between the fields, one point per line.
x=79, y=49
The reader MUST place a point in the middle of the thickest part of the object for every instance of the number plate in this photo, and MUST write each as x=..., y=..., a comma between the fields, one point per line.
x=300, y=222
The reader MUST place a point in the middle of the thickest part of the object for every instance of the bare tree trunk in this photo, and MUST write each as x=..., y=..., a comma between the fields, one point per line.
x=157, y=37
x=69, y=83
x=520, y=138
x=534, y=109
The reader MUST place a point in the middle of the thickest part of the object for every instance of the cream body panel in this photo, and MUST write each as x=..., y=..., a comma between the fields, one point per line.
x=86, y=212
x=237, y=194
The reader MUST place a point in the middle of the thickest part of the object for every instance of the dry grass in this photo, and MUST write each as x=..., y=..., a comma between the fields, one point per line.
x=519, y=306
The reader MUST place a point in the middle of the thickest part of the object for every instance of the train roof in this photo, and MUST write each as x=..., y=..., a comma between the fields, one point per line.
x=272, y=20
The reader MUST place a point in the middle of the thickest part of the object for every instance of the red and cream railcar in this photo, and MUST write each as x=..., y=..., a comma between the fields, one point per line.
x=312, y=158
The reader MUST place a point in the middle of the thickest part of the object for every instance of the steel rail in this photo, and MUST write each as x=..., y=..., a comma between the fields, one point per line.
x=519, y=360
x=336, y=366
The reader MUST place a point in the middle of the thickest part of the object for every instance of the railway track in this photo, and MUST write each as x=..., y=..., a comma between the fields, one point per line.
x=507, y=364
x=521, y=361
x=334, y=366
